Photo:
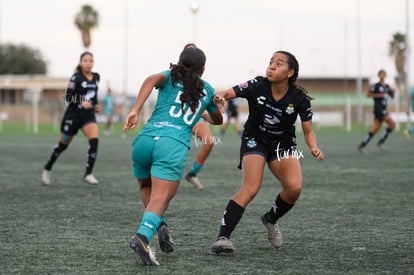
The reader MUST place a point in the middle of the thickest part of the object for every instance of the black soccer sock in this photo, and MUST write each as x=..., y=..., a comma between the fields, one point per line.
x=92, y=152
x=385, y=135
x=59, y=148
x=279, y=208
x=231, y=217
x=366, y=139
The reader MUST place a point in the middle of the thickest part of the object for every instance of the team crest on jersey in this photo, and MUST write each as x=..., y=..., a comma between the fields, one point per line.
x=251, y=143
x=290, y=109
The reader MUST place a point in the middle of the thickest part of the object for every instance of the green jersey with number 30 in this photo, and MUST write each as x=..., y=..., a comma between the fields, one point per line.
x=169, y=119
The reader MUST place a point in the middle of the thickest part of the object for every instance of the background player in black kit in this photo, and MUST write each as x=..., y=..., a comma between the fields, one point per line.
x=81, y=97
x=232, y=115
x=269, y=137
x=380, y=92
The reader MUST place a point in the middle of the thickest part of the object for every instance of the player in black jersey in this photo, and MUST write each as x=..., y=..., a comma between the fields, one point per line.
x=380, y=92
x=81, y=97
x=274, y=102
x=232, y=115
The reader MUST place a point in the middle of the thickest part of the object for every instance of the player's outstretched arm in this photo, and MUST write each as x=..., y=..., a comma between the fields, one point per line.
x=310, y=139
x=148, y=85
x=226, y=94
x=216, y=118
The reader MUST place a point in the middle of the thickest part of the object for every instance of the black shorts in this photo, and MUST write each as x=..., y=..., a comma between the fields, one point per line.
x=73, y=120
x=380, y=114
x=250, y=146
x=232, y=113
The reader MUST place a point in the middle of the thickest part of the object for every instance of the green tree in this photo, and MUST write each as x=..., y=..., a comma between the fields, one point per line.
x=21, y=59
x=86, y=19
x=397, y=49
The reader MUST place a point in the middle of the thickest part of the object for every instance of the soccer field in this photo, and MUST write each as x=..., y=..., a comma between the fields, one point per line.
x=355, y=214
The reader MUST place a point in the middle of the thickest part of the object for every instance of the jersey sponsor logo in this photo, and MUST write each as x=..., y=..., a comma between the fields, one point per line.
x=89, y=95
x=71, y=85
x=261, y=100
x=270, y=119
x=84, y=84
x=290, y=109
x=262, y=128
x=161, y=124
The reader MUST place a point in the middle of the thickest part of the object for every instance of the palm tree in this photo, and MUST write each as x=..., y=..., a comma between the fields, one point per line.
x=86, y=19
x=397, y=49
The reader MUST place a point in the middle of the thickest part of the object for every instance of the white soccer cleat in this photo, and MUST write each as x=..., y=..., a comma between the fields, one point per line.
x=46, y=175
x=381, y=146
x=362, y=150
x=90, y=179
x=273, y=232
x=194, y=181
x=222, y=245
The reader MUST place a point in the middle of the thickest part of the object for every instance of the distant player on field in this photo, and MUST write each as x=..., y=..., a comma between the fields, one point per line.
x=410, y=108
x=108, y=104
x=82, y=99
x=232, y=116
x=380, y=92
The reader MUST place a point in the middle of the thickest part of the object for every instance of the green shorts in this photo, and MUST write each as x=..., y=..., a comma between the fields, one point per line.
x=161, y=157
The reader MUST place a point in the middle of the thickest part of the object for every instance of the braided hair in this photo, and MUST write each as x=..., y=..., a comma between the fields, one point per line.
x=294, y=65
x=187, y=72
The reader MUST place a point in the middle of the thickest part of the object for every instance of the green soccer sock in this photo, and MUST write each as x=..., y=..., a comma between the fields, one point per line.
x=196, y=168
x=149, y=225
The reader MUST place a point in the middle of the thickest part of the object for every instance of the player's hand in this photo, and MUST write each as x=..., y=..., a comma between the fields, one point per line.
x=220, y=102
x=86, y=105
x=131, y=121
x=318, y=154
x=97, y=108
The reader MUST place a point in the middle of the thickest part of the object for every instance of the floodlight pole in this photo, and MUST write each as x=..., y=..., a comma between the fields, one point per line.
x=359, y=76
x=125, y=75
x=195, y=6
x=408, y=83
x=35, y=95
x=408, y=48
x=0, y=19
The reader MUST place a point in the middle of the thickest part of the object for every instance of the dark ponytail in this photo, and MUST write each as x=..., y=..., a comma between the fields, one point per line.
x=187, y=72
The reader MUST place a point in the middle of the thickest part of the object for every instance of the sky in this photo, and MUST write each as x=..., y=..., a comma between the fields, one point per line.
x=137, y=38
